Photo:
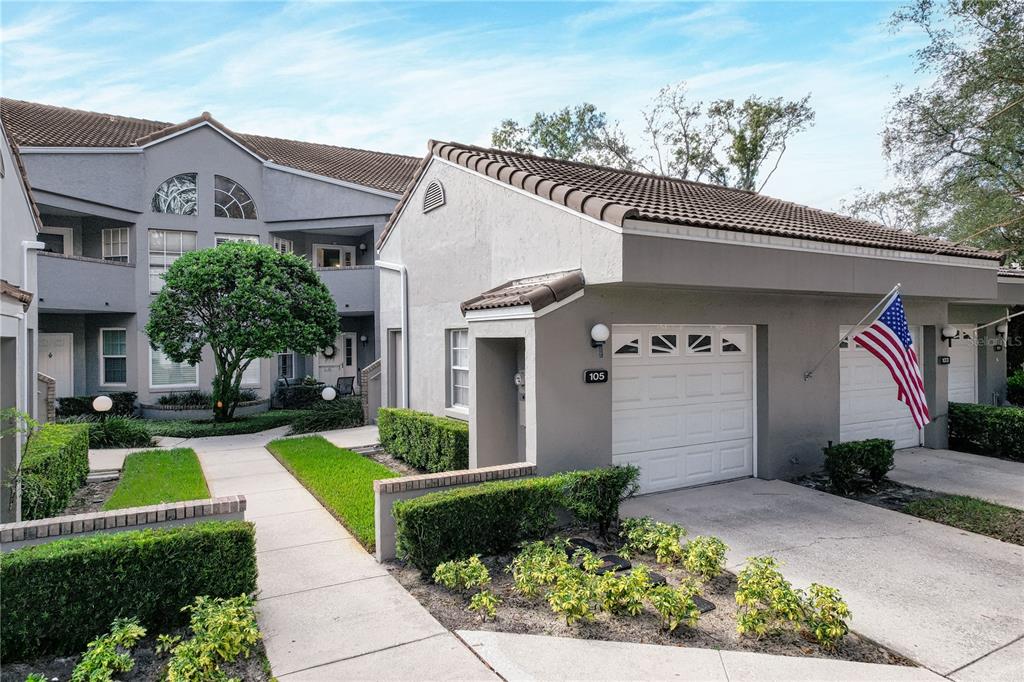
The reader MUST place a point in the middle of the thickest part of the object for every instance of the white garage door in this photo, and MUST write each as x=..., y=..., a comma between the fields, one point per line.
x=963, y=366
x=683, y=403
x=868, y=407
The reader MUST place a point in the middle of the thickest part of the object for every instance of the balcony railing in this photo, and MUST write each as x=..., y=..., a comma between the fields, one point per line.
x=353, y=288
x=80, y=284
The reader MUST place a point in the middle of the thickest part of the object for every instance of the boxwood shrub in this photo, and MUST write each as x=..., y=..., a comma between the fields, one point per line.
x=297, y=397
x=124, y=404
x=987, y=430
x=424, y=441
x=844, y=462
x=341, y=413
x=494, y=517
x=55, y=465
x=59, y=596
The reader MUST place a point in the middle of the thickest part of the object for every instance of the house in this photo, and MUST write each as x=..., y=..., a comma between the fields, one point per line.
x=121, y=198
x=579, y=316
x=19, y=221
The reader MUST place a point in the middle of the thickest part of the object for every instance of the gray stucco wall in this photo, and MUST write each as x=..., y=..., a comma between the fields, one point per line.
x=286, y=203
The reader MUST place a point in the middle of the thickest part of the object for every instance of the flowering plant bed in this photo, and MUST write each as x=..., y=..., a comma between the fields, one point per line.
x=626, y=618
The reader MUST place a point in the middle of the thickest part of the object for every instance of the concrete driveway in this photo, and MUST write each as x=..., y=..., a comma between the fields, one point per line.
x=958, y=473
x=948, y=599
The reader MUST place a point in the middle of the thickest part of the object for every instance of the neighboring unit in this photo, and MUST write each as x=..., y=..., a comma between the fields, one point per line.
x=19, y=222
x=715, y=303
x=121, y=198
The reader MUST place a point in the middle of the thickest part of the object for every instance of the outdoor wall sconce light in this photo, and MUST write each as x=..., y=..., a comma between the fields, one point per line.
x=362, y=247
x=599, y=333
x=363, y=339
x=949, y=332
x=1002, y=328
x=328, y=393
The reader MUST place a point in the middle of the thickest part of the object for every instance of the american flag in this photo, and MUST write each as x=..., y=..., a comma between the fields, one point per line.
x=888, y=339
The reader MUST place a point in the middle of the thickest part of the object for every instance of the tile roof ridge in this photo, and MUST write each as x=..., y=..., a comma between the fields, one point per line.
x=85, y=111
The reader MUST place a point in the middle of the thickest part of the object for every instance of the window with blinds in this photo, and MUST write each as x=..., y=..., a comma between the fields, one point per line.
x=163, y=373
x=251, y=375
x=165, y=247
x=458, y=367
x=114, y=357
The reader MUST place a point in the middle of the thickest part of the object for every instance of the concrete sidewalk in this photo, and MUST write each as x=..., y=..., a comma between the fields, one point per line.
x=534, y=657
x=959, y=473
x=945, y=598
x=327, y=609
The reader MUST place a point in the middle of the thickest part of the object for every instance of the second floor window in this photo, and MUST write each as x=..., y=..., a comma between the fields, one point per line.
x=219, y=238
x=115, y=244
x=165, y=247
x=176, y=195
x=284, y=245
x=230, y=200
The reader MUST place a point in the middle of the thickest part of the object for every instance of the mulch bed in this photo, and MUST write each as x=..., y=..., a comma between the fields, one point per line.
x=91, y=497
x=716, y=629
x=149, y=667
x=886, y=494
x=380, y=456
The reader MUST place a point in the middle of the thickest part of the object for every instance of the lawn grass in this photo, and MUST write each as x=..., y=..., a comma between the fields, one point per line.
x=972, y=514
x=202, y=429
x=340, y=479
x=156, y=476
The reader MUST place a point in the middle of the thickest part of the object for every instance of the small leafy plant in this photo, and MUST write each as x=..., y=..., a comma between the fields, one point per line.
x=644, y=535
x=223, y=629
x=109, y=653
x=766, y=600
x=538, y=565
x=675, y=605
x=574, y=595
x=825, y=615
x=485, y=603
x=462, y=575
x=624, y=595
x=705, y=556
x=35, y=677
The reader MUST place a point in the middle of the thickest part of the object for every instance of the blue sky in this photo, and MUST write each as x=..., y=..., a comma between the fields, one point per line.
x=389, y=76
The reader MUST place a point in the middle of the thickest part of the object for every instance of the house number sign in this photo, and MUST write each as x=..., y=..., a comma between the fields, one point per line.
x=595, y=376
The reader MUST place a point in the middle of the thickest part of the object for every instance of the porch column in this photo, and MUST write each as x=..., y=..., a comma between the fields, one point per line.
x=936, y=388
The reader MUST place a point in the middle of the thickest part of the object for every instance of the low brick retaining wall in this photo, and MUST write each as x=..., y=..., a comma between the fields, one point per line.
x=389, y=490
x=25, y=533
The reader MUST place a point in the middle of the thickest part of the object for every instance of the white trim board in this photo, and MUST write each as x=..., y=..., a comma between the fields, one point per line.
x=196, y=126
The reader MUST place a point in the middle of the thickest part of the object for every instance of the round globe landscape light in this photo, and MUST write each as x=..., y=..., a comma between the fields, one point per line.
x=328, y=393
x=599, y=333
x=102, y=403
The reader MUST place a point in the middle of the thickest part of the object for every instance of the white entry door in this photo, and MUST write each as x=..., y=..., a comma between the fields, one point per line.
x=683, y=403
x=56, y=352
x=340, y=362
x=963, y=366
x=868, y=407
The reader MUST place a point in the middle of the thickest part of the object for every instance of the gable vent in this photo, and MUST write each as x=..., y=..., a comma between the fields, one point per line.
x=433, y=197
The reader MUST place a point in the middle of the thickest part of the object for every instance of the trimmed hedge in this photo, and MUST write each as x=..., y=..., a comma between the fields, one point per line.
x=341, y=413
x=114, y=431
x=298, y=397
x=55, y=465
x=59, y=596
x=1015, y=388
x=424, y=441
x=987, y=430
x=124, y=404
x=844, y=462
x=494, y=517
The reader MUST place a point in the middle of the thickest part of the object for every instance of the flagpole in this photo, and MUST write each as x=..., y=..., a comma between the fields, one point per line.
x=1007, y=318
x=808, y=375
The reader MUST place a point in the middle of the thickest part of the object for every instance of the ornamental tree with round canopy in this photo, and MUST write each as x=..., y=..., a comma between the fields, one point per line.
x=246, y=301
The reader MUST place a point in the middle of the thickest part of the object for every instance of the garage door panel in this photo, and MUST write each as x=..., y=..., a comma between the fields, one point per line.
x=683, y=403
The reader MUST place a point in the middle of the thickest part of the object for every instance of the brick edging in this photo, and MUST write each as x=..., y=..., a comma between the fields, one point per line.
x=447, y=479
x=120, y=519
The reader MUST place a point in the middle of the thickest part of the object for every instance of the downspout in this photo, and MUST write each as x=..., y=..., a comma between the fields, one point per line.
x=404, y=302
x=22, y=397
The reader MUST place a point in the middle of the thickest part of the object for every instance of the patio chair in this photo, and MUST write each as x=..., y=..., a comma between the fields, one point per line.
x=345, y=385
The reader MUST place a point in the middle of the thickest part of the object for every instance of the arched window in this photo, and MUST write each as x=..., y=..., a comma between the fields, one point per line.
x=230, y=200
x=176, y=195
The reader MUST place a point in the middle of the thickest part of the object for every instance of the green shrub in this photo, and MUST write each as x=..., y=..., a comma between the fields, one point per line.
x=844, y=462
x=55, y=465
x=644, y=535
x=575, y=595
x=1015, y=388
x=675, y=605
x=767, y=602
x=114, y=431
x=124, y=404
x=223, y=630
x=624, y=594
x=485, y=603
x=704, y=556
x=489, y=518
x=593, y=496
x=343, y=413
x=423, y=440
x=298, y=397
x=462, y=575
x=201, y=399
x=538, y=565
x=58, y=596
x=109, y=654
x=494, y=517
x=825, y=615
x=987, y=430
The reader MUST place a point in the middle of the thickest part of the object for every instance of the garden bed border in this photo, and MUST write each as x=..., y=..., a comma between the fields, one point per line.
x=24, y=533
x=389, y=490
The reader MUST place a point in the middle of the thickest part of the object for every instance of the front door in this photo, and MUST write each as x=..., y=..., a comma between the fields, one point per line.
x=338, y=361
x=55, y=355
x=963, y=366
